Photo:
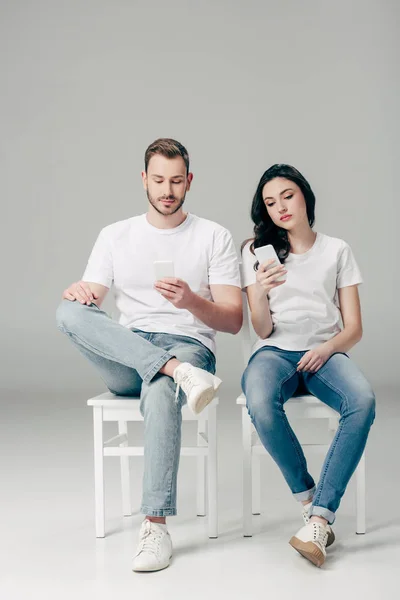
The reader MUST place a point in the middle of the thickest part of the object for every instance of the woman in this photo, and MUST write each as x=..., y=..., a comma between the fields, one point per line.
x=296, y=310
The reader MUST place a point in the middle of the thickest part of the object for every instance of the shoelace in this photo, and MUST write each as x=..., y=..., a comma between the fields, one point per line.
x=306, y=516
x=186, y=381
x=151, y=539
x=320, y=534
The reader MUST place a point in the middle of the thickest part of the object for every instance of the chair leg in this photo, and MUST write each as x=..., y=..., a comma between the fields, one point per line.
x=98, y=470
x=333, y=425
x=201, y=470
x=360, y=496
x=212, y=473
x=247, y=474
x=256, y=484
x=125, y=476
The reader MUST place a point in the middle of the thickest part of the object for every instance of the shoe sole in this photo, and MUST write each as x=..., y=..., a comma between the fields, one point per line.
x=309, y=550
x=149, y=570
x=206, y=397
x=331, y=539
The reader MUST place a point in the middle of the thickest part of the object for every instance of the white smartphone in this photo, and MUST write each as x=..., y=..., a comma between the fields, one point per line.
x=265, y=253
x=163, y=268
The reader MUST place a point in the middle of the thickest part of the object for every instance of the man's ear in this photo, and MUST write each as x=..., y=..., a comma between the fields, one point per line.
x=144, y=180
x=189, y=181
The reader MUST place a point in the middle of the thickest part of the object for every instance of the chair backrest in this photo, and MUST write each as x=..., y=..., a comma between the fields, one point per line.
x=245, y=331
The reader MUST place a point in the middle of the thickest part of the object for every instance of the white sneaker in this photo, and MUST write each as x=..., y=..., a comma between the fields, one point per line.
x=199, y=386
x=310, y=541
x=306, y=520
x=155, y=547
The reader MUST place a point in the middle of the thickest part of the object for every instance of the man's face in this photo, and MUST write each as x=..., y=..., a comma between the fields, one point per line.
x=166, y=183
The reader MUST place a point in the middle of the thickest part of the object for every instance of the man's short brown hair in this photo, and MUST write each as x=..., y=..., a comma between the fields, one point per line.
x=166, y=147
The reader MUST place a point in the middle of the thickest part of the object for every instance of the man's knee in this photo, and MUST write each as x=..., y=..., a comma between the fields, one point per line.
x=69, y=314
x=196, y=356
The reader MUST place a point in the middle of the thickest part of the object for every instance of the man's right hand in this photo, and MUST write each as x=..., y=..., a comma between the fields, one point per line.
x=80, y=291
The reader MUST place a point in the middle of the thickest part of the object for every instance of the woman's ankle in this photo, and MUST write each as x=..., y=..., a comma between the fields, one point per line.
x=317, y=519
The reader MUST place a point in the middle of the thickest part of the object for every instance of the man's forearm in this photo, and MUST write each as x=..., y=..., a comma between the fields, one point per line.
x=217, y=315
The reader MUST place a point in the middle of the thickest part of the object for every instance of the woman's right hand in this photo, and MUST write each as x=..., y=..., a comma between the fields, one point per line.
x=80, y=291
x=267, y=275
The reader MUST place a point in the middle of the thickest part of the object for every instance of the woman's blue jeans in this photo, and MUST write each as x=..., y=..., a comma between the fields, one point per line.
x=269, y=380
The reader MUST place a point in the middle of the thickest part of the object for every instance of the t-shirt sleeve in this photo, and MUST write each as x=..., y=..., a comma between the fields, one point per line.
x=224, y=264
x=99, y=268
x=248, y=262
x=348, y=272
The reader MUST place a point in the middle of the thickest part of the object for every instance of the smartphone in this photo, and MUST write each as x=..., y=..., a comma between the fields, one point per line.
x=265, y=253
x=163, y=268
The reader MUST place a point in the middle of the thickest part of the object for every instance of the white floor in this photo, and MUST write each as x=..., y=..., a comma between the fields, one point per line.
x=48, y=547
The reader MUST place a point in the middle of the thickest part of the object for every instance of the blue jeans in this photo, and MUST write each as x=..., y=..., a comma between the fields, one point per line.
x=269, y=380
x=129, y=363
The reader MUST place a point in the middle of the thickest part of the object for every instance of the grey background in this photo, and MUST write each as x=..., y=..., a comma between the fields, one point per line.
x=86, y=86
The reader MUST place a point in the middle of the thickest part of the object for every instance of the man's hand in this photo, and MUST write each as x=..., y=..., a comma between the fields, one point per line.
x=314, y=359
x=176, y=291
x=80, y=291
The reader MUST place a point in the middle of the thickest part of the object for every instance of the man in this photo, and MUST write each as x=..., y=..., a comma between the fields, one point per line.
x=164, y=340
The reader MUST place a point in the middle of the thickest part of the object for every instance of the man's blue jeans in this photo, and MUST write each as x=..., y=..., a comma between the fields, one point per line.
x=129, y=362
x=269, y=380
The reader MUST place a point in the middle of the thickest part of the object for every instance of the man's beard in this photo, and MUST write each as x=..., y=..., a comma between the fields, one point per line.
x=168, y=210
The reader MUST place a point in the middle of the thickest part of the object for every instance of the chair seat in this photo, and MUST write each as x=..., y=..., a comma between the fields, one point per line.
x=128, y=408
x=302, y=407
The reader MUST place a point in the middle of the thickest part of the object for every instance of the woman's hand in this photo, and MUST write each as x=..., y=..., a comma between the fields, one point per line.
x=314, y=359
x=267, y=276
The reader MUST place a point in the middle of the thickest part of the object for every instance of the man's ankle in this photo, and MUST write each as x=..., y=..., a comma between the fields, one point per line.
x=161, y=520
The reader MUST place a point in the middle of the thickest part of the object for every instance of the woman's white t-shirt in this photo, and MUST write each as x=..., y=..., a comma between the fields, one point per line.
x=203, y=254
x=305, y=310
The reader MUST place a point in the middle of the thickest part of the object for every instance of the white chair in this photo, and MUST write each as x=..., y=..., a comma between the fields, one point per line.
x=300, y=407
x=109, y=407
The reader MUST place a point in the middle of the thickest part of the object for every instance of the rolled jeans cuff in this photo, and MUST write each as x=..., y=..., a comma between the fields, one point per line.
x=306, y=495
x=158, y=512
x=325, y=513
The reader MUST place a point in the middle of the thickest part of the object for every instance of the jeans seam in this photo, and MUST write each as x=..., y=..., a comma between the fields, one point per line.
x=171, y=468
x=292, y=435
x=290, y=431
x=335, y=441
x=170, y=471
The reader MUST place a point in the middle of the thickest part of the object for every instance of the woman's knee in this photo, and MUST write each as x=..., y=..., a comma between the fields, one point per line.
x=263, y=407
x=369, y=406
x=363, y=405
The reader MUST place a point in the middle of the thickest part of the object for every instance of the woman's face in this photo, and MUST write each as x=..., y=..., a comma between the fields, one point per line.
x=284, y=202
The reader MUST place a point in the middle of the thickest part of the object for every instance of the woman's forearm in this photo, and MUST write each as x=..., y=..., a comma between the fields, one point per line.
x=261, y=314
x=345, y=340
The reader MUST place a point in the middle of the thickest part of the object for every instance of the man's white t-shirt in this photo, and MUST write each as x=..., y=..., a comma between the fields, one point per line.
x=203, y=254
x=304, y=309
